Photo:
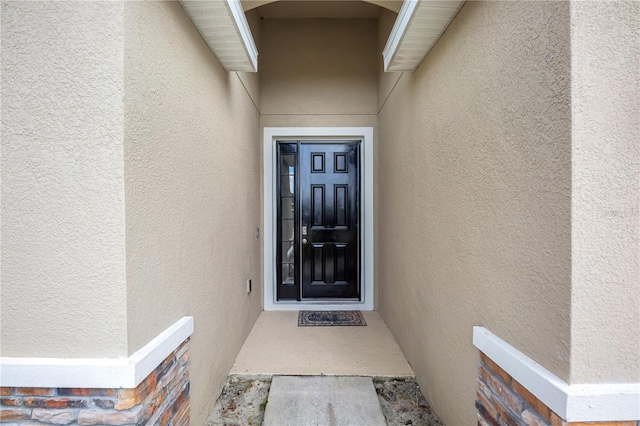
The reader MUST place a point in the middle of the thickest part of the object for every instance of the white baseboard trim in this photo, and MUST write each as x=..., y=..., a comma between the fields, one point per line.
x=95, y=372
x=574, y=403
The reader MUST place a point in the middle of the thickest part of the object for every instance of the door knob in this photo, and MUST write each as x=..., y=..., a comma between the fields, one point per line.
x=304, y=241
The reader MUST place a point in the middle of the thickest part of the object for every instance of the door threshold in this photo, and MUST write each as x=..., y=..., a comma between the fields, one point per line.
x=330, y=300
x=315, y=305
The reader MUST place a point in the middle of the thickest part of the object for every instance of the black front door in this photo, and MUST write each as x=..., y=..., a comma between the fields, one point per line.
x=318, y=220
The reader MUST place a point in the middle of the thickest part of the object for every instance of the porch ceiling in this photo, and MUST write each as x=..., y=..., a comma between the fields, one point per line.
x=223, y=26
x=297, y=9
x=393, y=5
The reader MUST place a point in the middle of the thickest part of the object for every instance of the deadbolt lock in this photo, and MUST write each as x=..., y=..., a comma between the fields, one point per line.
x=304, y=230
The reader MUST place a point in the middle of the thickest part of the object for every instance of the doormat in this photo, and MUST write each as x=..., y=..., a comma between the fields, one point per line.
x=322, y=318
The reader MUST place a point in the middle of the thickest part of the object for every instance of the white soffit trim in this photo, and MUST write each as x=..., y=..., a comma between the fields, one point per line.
x=224, y=27
x=95, y=372
x=574, y=403
x=419, y=25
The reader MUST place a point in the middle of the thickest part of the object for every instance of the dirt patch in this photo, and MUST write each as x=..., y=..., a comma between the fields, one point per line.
x=243, y=401
x=403, y=403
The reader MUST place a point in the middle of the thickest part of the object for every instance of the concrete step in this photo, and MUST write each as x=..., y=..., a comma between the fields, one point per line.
x=323, y=400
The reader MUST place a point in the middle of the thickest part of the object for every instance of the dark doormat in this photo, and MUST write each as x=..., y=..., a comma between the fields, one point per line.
x=322, y=318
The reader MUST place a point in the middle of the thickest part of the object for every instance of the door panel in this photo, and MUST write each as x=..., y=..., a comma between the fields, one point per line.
x=329, y=204
x=318, y=220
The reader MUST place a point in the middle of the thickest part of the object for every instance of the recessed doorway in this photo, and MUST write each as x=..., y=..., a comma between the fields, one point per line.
x=318, y=227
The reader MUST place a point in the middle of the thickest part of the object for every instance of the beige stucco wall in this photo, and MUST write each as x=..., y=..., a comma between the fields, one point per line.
x=386, y=80
x=319, y=73
x=605, y=47
x=475, y=198
x=318, y=66
x=63, y=262
x=192, y=194
x=251, y=80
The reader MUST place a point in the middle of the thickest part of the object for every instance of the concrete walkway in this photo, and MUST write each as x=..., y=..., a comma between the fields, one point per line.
x=277, y=346
x=328, y=400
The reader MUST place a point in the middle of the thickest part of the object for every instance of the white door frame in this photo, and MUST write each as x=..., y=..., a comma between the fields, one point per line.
x=365, y=135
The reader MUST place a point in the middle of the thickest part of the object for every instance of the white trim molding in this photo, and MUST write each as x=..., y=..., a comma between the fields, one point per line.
x=95, y=372
x=271, y=135
x=397, y=33
x=575, y=402
x=419, y=25
x=223, y=26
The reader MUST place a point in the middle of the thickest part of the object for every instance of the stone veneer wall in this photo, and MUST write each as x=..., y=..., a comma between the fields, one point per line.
x=501, y=400
x=162, y=398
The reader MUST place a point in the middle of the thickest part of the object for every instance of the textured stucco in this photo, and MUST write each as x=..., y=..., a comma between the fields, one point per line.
x=192, y=194
x=494, y=207
x=318, y=66
x=475, y=198
x=251, y=80
x=63, y=262
x=605, y=318
x=386, y=80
